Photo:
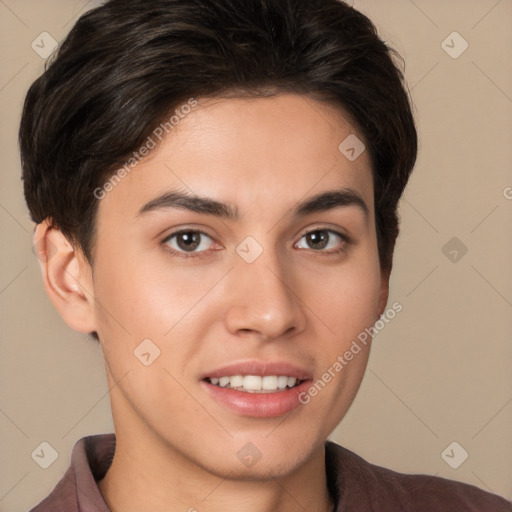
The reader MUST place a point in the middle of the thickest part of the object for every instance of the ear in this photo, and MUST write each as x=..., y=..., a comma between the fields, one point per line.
x=67, y=277
x=384, y=291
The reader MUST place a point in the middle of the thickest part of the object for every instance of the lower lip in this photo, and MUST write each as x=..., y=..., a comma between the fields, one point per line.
x=258, y=405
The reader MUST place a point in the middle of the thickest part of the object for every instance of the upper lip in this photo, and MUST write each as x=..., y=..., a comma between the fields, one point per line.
x=260, y=368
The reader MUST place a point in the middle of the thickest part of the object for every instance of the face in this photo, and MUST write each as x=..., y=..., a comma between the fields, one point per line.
x=249, y=294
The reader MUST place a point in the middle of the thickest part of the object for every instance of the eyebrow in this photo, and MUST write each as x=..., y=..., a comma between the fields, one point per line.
x=321, y=202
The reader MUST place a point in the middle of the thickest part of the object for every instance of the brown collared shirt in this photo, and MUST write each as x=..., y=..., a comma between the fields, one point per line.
x=354, y=484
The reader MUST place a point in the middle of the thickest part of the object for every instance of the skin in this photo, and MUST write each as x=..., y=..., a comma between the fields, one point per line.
x=176, y=446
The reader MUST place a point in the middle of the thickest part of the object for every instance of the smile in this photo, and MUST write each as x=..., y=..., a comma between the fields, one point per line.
x=255, y=383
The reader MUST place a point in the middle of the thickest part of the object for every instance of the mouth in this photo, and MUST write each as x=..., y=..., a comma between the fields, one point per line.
x=257, y=389
x=256, y=383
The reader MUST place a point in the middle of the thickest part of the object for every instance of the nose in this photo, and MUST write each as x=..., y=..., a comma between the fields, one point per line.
x=263, y=300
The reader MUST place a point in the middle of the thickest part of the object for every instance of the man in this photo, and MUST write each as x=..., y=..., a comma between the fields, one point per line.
x=215, y=187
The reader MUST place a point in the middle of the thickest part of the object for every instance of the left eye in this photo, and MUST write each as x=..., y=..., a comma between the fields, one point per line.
x=321, y=239
x=189, y=241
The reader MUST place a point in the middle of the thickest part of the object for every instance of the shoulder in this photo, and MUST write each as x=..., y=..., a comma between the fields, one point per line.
x=358, y=483
x=63, y=496
x=78, y=490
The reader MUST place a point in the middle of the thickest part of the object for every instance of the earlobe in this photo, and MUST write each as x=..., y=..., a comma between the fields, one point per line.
x=67, y=278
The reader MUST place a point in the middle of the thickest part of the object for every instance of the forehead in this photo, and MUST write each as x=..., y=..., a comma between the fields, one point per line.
x=253, y=153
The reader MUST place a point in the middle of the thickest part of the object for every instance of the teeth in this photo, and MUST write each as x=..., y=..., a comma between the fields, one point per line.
x=251, y=383
x=291, y=382
x=269, y=382
x=236, y=381
x=223, y=382
x=282, y=382
x=255, y=383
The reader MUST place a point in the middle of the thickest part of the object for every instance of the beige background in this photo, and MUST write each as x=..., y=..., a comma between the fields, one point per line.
x=439, y=372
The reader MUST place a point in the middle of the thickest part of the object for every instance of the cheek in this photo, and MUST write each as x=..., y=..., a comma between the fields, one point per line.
x=139, y=298
x=346, y=301
x=138, y=292
x=138, y=301
x=345, y=306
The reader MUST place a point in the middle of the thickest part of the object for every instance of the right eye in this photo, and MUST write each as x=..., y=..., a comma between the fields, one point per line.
x=188, y=241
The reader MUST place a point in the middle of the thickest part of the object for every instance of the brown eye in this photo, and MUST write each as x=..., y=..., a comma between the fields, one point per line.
x=317, y=239
x=188, y=241
x=321, y=239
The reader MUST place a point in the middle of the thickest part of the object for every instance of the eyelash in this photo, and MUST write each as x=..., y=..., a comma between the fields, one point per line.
x=183, y=254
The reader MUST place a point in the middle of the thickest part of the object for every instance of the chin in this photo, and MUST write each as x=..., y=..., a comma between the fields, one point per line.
x=258, y=457
x=263, y=470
